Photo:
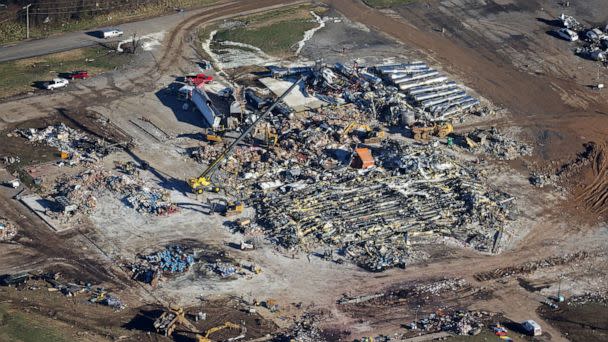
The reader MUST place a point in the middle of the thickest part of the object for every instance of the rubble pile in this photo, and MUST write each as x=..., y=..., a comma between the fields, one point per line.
x=223, y=269
x=172, y=259
x=77, y=146
x=100, y=296
x=397, y=94
x=10, y=160
x=588, y=298
x=76, y=194
x=56, y=283
x=369, y=215
x=532, y=266
x=305, y=329
x=459, y=322
x=7, y=230
x=499, y=145
x=592, y=41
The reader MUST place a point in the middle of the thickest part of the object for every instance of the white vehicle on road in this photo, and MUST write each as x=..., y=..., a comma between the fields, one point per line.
x=111, y=33
x=57, y=83
x=568, y=34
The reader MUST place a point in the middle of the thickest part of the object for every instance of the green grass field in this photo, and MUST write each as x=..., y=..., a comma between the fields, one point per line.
x=274, y=32
x=16, y=327
x=275, y=39
x=19, y=76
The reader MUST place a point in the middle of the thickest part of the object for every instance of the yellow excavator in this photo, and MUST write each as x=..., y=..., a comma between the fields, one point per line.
x=423, y=132
x=213, y=136
x=203, y=182
x=175, y=316
x=227, y=325
x=372, y=135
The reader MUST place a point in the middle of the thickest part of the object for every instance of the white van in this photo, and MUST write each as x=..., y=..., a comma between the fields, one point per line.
x=111, y=33
x=532, y=328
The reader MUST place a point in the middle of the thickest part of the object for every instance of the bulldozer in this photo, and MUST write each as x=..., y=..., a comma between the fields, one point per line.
x=212, y=137
x=423, y=133
x=174, y=316
x=372, y=135
x=233, y=208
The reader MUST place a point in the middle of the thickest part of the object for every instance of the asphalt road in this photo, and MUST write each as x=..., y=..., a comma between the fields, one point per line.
x=75, y=40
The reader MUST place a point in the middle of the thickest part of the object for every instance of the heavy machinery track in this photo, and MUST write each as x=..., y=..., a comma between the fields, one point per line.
x=595, y=195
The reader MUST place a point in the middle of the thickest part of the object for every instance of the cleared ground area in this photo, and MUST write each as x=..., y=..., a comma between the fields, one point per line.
x=361, y=217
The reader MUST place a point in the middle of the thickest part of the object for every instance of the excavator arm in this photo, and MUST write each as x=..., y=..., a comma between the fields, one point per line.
x=202, y=182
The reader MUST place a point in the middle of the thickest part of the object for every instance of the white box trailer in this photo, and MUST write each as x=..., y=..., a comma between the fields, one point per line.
x=205, y=106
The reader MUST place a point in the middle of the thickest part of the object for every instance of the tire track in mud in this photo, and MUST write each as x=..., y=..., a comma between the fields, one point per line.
x=595, y=195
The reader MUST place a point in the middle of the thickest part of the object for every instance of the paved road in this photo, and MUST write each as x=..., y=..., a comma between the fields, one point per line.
x=75, y=40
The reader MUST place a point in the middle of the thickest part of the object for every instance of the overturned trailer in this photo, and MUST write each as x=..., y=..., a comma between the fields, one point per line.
x=203, y=103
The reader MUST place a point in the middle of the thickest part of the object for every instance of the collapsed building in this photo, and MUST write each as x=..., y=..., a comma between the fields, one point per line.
x=78, y=194
x=333, y=179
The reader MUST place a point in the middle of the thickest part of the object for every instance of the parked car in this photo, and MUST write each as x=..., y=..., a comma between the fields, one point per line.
x=56, y=83
x=81, y=75
x=594, y=35
x=111, y=33
x=568, y=34
x=198, y=79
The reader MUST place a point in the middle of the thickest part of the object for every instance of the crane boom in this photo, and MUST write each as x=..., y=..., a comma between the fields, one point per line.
x=204, y=180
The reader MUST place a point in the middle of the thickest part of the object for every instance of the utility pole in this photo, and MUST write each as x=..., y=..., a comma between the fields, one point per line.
x=27, y=20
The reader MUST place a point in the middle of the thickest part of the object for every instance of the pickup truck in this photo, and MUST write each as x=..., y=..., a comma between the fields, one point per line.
x=79, y=74
x=111, y=33
x=57, y=83
x=198, y=79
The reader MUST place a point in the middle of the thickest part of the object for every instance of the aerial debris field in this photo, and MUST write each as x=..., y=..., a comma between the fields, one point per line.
x=248, y=173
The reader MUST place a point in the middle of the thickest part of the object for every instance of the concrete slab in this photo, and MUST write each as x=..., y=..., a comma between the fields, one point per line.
x=296, y=99
x=39, y=206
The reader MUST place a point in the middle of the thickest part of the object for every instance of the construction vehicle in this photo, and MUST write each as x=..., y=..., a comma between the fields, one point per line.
x=213, y=136
x=423, y=132
x=354, y=126
x=233, y=208
x=272, y=137
x=227, y=325
x=203, y=182
x=175, y=316
x=372, y=135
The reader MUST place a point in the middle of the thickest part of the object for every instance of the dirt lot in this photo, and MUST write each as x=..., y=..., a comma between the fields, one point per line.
x=585, y=321
x=538, y=88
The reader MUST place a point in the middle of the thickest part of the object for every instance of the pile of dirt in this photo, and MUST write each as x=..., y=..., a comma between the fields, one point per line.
x=587, y=178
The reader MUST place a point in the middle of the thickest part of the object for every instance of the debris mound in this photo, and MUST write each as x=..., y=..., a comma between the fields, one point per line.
x=77, y=147
x=171, y=260
x=499, y=145
x=459, y=322
x=372, y=216
x=76, y=194
x=7, y=230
